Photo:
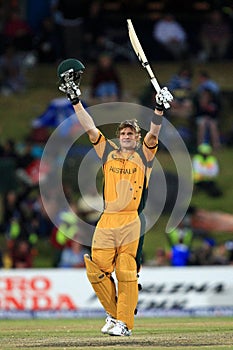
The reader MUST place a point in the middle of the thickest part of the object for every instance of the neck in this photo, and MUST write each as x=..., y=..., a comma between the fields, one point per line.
x=127, y=150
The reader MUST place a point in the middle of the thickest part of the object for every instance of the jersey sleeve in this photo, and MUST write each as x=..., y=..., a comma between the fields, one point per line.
x=102, y=145
x=149, y=152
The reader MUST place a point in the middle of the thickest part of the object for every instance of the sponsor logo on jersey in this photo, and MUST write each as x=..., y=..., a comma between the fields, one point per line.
x=128, y=171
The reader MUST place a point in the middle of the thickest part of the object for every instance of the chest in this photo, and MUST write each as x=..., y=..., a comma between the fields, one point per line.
x=124, y=166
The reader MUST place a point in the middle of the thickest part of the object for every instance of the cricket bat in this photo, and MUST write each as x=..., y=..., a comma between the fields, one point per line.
x=142, y=57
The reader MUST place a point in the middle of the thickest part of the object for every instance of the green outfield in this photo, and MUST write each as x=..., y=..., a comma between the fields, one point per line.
x=150, y=333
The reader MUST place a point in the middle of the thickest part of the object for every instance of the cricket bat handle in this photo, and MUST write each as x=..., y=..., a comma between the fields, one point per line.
x=155, y=83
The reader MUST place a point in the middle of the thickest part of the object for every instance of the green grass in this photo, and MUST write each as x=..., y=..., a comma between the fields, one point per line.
x=18, y=111
x=150, y=333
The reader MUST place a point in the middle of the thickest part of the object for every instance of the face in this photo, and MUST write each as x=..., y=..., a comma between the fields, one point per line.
x=128, y=139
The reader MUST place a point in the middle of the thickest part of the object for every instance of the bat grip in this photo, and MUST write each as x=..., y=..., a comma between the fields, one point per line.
x=155, y=83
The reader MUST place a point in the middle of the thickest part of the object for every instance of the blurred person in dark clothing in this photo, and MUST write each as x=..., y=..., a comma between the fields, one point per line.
x=48, y=43
x=204, y=81
x=207, y=113
x=69, y=15
x=160, y=259
x=25, y=157
x=106, y=83
x=204, y=254
x=18, y=32
x=8, y=150
x=94, y=34
x=12, y=78
x=22, y=255
x=180, y=84
x=215, y=37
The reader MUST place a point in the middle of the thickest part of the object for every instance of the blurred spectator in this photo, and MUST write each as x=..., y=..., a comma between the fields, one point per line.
x=208, y=106
x=45, y=225
x=204, y=254
x=8, y=150
x=12, y=77
x=207, y=112
x=205, y=82
x=22, y=254
x=9, y=210
x=184, y=230
x=69, y=16
x=35, y=12
x=172, y=37
x=48, y=43
x=215, y=37
x=180, y=240
x=160, y=259
x=210, y=253
x=17, y=204
x=180, y=254
x=221, y=255
x=206, y=171
x=18, y=32
x=30, y=168
x=106, y=83
x=2, y=22
x=180, y=85
x=65, y=231
x=94, y=34
x=24, y=227
x=73, y=255
x=25, y=155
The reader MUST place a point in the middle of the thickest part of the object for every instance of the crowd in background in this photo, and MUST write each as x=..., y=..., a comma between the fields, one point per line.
x=56, y=29
x=94, y=32
x=49, y=31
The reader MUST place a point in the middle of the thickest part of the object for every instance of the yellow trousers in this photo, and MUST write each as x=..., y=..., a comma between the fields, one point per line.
x=114, y=248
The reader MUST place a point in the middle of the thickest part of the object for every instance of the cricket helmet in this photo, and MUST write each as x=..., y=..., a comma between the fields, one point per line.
x=70, y=64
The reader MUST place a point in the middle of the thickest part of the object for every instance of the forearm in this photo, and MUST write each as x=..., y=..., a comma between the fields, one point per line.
x=86, y=121
x=156, y=122
x=152, y=136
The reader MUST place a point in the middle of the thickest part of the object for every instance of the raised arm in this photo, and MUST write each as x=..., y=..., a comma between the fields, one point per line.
x=86, y=121
x=162, y=97
x=69, y=72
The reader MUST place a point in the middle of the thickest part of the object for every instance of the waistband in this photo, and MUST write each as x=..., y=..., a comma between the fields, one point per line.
x=125, y=212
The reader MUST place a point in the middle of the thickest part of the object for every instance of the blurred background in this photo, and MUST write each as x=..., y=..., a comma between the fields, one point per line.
x=190, y=47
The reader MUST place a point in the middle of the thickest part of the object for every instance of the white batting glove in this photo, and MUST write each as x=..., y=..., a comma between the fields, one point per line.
x=71, y=90
x=69, y=84
x=163, y=98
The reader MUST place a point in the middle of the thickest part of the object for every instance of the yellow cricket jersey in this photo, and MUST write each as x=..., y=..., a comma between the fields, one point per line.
x=126, y=176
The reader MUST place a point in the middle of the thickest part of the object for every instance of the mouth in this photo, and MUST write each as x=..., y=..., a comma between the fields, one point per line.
x=126, y=140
